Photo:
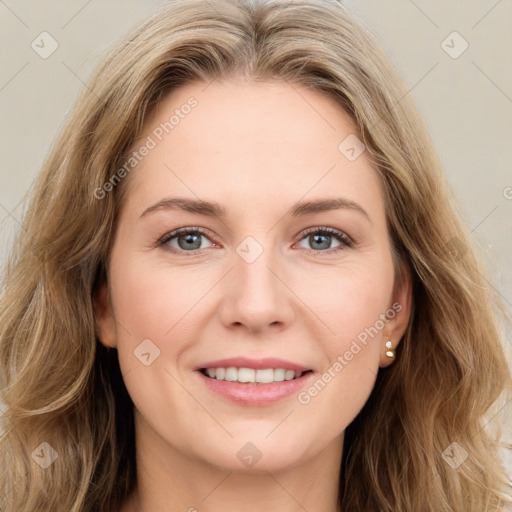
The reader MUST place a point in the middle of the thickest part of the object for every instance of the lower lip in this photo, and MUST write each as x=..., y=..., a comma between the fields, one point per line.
x=256, y=394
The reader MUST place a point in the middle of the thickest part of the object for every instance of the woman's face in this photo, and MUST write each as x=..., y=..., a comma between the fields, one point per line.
x=276, y=165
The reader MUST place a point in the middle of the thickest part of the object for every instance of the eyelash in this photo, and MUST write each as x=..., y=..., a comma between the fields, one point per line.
x=346, y=241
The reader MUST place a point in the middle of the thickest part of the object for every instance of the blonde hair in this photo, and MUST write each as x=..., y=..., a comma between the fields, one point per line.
x=63, y=387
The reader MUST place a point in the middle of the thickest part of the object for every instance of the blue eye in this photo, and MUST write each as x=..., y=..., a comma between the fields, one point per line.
x=190, y=240
x=187, y=239
x=320, y=239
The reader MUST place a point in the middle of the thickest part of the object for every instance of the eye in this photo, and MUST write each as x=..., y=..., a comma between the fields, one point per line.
x=320, y=239
x=184, y=240
x=191, y=240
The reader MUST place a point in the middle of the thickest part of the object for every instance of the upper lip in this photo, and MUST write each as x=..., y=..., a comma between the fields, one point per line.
x=257, y=364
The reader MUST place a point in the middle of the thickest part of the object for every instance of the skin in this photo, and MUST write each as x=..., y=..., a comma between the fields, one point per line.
x=256, y=149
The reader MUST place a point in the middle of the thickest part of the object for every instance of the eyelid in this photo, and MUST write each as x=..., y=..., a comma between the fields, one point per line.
x=346, y=242
x=326, y=229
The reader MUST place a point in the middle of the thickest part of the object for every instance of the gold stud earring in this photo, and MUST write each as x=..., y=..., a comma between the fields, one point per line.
x=390, y=352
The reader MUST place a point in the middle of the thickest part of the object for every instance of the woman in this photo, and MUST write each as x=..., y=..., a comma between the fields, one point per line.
x=240, y=283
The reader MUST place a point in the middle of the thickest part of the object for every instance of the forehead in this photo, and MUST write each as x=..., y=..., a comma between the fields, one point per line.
x=269, y=141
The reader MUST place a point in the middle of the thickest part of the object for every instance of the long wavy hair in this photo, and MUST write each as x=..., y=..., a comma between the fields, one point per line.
x=61, y=386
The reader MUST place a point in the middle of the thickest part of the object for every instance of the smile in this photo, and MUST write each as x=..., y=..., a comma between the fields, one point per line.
x=246, y=391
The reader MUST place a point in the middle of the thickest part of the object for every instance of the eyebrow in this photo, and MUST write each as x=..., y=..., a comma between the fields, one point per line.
x=212, y=209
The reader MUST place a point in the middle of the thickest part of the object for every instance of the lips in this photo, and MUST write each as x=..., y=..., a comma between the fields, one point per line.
x=253, y=394
x=258, y=392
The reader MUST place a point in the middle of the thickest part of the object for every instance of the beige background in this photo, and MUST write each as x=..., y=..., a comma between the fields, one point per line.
x=466, y=101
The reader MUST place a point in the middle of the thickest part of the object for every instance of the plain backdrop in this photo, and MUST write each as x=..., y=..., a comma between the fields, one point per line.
x=455, y=57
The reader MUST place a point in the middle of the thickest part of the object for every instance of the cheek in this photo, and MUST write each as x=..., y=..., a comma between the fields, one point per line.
x=149, y=304
x=349, y=302
x=352, y=306
x=151, y=299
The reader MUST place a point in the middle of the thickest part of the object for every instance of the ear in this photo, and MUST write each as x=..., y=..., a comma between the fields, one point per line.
x=105, y=321
x=398, y=313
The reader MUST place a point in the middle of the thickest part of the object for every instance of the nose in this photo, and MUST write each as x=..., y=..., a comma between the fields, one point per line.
x=257, y=295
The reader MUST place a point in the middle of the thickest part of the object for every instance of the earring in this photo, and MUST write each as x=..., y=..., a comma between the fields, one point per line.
x=390, y=352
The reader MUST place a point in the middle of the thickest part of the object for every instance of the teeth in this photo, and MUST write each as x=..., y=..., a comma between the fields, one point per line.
x=246, y=375
x=279, y=374
x=231, y=374
x=264, y=376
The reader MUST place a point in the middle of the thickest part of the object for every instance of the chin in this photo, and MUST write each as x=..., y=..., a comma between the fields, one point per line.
x=254, y=454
